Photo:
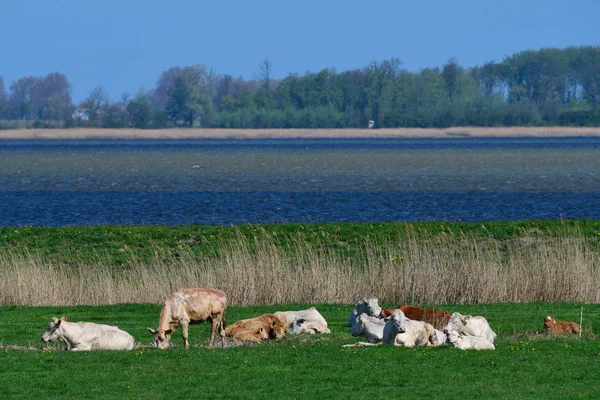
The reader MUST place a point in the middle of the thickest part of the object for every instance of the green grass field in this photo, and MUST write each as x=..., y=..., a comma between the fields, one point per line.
x=524, y=364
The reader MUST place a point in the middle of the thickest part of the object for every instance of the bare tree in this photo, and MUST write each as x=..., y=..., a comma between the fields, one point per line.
x=97, y=98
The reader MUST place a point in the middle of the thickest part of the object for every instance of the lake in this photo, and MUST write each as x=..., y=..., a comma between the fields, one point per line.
x=236, y=181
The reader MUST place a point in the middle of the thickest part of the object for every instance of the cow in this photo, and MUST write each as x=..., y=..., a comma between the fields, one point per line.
x=367, y=306
x=191, y=306
x=437, y=318
x=273, y=326
x=369, y=327
x=560, y=327
x=401, y=331
x=466, y=342
x=256, y=336
x=438, y=338
x=469, y=325
x=87, y=335
x=309, y=321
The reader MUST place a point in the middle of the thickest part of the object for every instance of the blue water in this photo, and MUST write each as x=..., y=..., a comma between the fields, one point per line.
x=90, y=182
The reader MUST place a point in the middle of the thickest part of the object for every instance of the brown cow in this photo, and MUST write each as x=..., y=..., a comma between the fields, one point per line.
x=191, y=306
x=552, y=325
x=265, y=326
x=437, y=318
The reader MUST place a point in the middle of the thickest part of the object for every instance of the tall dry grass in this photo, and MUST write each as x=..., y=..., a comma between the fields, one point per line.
x=421, y=270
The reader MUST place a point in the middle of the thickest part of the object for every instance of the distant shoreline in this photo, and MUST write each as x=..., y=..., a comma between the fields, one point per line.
x=199, y=133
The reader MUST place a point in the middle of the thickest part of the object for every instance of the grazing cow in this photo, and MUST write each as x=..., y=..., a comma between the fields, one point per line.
x=269, y=323
x=87, y=335
x=369, y=327
x=468, y=325
x=560, y=327
x=191, y=306
x=466, y=342
x=367, y=306
x=309, y=321
x=401, y=331
x=438, y=338
x=437, y=318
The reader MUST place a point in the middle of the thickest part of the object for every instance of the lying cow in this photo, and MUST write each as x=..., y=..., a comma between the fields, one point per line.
x=309, y=321
x=437, y=318
x=87, y=335
x=252, y=336
x=401, y=331
x=367, y=306
x=369, y=327
x=191, y=306
x=560, y=327
x=469, y=325
x=273, y=327
x=466, y=342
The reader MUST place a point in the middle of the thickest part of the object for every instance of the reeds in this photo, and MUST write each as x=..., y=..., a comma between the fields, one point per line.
x=419, y=269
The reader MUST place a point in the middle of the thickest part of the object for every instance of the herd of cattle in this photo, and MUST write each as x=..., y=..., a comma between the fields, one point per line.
x=406, y=325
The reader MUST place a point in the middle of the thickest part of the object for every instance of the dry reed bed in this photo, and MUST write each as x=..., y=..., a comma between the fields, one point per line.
x=430, y=270
x=200, y=133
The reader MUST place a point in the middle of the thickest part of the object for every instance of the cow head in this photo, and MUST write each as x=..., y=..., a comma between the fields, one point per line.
x=398, y=320
x=357, y=327
x=277, y=330
x=53, y=331
x=549, y=322
x=297, y=326
x=162, y=337
x=453, y=337
x=456, y=322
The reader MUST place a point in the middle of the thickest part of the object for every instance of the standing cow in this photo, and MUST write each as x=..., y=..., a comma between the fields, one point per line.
x=87, y=335
x=191, y=306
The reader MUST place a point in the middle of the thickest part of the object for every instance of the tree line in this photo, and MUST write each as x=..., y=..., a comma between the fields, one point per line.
x=534, y=87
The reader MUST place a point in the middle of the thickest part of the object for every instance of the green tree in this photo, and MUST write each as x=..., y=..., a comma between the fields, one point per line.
x=190, y=99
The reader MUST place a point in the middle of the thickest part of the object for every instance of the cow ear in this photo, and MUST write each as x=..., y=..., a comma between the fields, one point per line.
x=152, y=331
x=63, y=318
x=466, y=318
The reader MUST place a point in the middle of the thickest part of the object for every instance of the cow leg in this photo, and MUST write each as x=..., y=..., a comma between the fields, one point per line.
x=184, y=333
x=216, y=324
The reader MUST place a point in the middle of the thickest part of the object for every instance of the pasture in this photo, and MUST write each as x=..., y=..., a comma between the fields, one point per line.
x=524, y=365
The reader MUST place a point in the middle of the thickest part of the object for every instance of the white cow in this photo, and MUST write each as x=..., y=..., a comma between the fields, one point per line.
x=367, y=306
x=401, y=331
x=309, y=321
x=87, y=335
x=438, y=338
x=369, y=327
x=465, y=342
x=469, y=325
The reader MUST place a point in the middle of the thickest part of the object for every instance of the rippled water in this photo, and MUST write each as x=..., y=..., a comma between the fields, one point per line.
x=85, y=182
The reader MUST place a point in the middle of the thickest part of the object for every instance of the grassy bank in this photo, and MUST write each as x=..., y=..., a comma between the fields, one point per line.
x=524, y=364
x=429, y=263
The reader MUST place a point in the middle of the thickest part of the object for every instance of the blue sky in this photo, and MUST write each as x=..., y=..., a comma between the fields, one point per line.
x=125, y=45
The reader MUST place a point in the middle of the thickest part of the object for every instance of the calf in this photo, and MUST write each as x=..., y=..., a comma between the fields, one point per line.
x=269, y=323
x=191, y=306
x=466, y=342
x=87, y=335
x=252, y=336
x=401, y=331
x=469, y=325
x=560, y=327
x=309, y=321
x=367, y=306
x=438, y=338
x=437, y=318
x=369, y=327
